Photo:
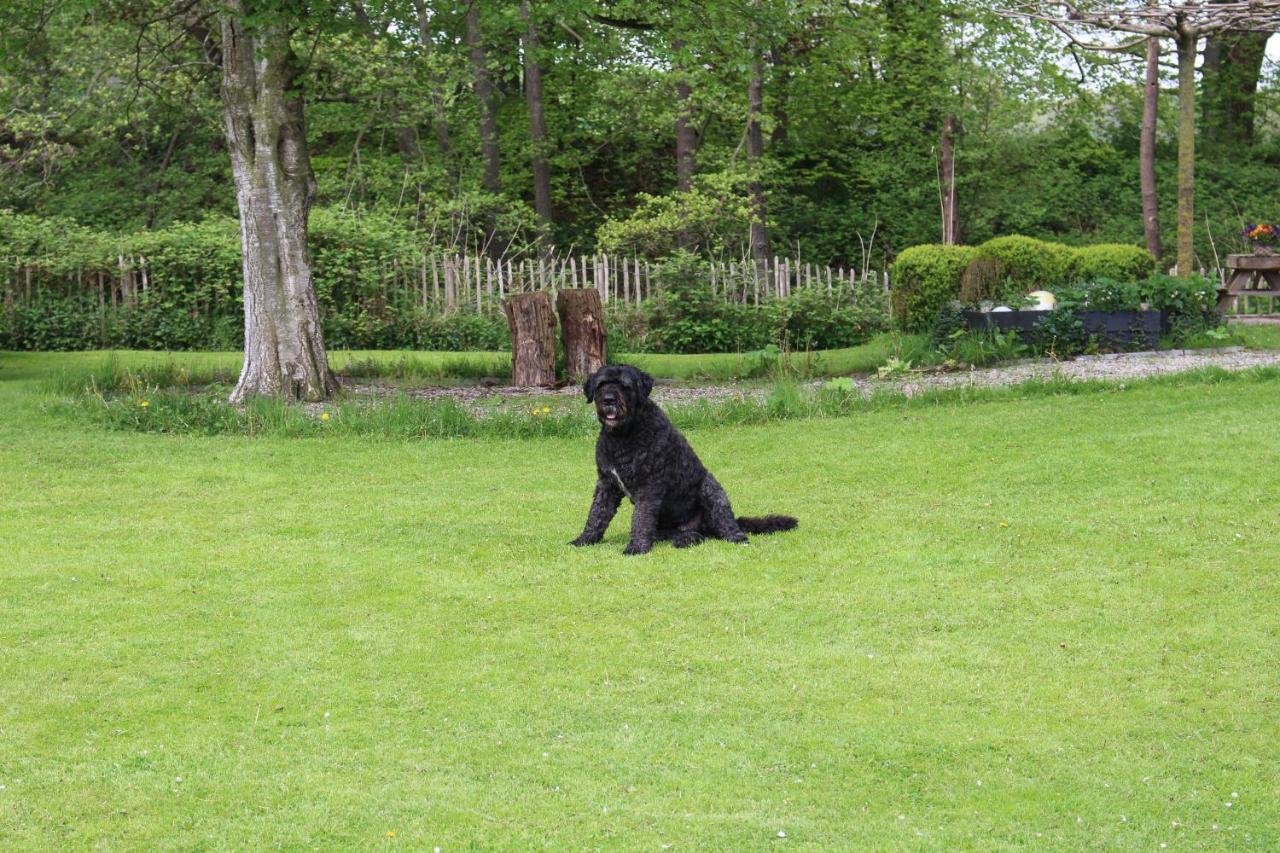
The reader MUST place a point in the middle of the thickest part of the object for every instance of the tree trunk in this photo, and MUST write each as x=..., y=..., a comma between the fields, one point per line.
x=1186, y=150
x=537, y=127
x=582, y=331
x=1232, y=66
x=1147, y=150
x=950, y=233
x=483, y=88
x=755, y=155
x=439, y=119
x=284, y=351
x=686, y=139
x=533, y=339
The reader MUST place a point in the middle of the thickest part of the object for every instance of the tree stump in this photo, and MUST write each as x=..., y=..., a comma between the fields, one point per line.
x=533, y=339
x=582, y=330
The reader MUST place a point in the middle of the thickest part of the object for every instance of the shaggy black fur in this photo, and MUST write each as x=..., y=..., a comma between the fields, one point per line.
x=642, y=455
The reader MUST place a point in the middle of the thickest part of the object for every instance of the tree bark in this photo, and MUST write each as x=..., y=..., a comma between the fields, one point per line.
x=950, y=232
x=1230, y=72
x=284, y=352
x=533, y=339
x=483, y=87
x=755, y=155
x=1186, y=150
x=1147, y=150
x=439, y=118
x=686, y=140
x=582, y=331
x=537, y=127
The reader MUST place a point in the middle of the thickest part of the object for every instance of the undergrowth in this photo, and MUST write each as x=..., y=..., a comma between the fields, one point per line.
x=126, y=401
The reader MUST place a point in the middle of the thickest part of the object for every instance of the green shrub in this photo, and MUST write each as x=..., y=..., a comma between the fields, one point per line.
x=982, y=279
x=924, y=279
x=811, y=318
x=1114, y=261
x=1028, y=264
x=1191, y=303
x=687, y=318
x=1107, y=294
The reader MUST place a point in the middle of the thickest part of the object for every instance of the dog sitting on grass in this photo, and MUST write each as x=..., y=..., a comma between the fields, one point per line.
x=640, y=454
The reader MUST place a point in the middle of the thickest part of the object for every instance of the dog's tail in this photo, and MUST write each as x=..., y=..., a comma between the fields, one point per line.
x=768, y=524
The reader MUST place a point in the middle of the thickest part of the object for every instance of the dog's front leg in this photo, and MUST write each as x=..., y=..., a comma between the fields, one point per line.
x=644, y=525
x=603, y=507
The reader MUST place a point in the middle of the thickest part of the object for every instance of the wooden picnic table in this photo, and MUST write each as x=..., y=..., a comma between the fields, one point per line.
x=1249, y=275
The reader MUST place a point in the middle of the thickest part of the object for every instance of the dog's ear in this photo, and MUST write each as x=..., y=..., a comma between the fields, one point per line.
x=589, y=387
x=643, y=381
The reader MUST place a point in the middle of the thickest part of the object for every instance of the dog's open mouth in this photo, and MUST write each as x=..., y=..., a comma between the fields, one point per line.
x=610, y=414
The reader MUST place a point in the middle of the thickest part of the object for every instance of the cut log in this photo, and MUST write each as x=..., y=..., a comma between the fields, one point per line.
x=533, y=339
x=582, y=330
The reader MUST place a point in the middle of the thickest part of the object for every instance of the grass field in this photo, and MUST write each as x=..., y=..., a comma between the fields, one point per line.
x=1048, y=622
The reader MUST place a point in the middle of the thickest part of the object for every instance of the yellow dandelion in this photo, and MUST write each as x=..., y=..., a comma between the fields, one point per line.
x=1004, y=524
x=324, y=416
x=546, y=409
x=144, y=404
x=391, y=833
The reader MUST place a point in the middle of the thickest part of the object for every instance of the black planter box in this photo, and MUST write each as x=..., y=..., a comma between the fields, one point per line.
x=1111, y=328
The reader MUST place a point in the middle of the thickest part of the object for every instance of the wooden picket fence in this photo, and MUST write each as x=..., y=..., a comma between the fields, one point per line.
x=453, y=281
x=449, y=282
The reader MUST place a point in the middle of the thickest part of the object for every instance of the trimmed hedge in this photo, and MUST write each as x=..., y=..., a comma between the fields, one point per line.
x=925, y=278
x=1115, y=261
x=1002, y=270
x=1030, y=264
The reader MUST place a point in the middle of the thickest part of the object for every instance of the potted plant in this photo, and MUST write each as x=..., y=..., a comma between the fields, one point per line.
x=1262, y=236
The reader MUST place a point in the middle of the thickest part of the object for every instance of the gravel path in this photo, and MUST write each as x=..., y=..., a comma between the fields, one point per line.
x=1114, y=367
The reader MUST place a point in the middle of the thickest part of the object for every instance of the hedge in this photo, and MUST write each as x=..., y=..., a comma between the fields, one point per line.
x=925, y=278
x=1114, y=261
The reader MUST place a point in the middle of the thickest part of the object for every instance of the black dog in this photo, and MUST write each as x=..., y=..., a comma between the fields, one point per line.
x=642, y=455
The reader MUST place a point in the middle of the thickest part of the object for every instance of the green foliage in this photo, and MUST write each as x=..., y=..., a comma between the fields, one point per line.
x=1114, y=261
x=688, y=318
x=1106, y=294
x=1060, y=333
x=981, y=348
x=1028, y=264
x=925, y=278
x=1190, y=302
x=713, y=219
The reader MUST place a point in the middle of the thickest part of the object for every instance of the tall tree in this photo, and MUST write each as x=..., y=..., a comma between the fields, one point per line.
x=755, y=149
x=537, y=127
x=284, y=352
x=1231, y=69
x=1147, y=149
x=482, y=85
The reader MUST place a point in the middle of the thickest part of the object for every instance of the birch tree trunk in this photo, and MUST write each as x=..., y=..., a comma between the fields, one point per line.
x=1147, y=151
x=284, y=351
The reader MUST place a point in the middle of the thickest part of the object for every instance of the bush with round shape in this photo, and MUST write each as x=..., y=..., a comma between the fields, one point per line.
x=925, y=278
x=1115, y=261
x=1029, y=264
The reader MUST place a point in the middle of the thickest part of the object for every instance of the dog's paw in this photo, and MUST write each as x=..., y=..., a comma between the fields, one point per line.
x=686, y=539
x=637, y=548
x=582, y=541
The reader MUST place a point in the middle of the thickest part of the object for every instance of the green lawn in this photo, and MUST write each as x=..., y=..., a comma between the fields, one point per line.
x=1048, y=622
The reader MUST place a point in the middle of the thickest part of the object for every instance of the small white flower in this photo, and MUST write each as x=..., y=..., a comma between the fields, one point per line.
x=979, y=783
x=1215, y=827
x=782, y=834
x=1235, y=794
x=1163, y=845
x=1228, y=804
x=1124, y=819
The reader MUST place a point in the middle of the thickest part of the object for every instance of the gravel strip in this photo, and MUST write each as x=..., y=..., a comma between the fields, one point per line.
x=1115, y=367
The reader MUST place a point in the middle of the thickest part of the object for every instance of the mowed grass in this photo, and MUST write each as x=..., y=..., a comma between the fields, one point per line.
x=1048, y=622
